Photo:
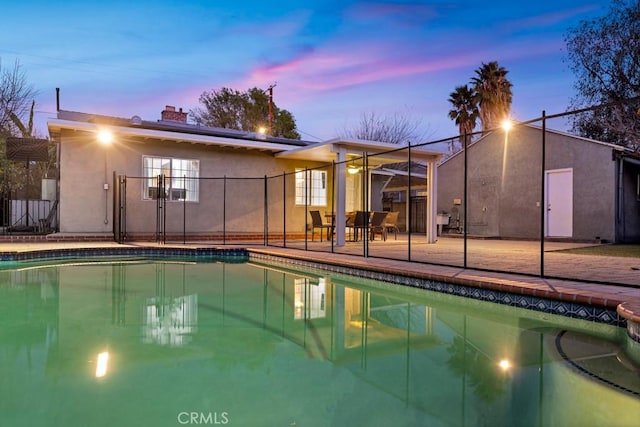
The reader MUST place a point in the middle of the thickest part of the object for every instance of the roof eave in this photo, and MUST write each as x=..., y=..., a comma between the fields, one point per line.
x=57, y=125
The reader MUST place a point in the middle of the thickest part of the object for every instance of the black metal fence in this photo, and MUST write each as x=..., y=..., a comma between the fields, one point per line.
x=517, y=201
x=21, y=216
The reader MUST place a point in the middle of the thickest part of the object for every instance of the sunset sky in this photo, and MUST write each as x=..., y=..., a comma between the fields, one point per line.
x=331, y=61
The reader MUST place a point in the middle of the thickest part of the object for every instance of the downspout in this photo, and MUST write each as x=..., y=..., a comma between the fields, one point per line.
x=620, y=229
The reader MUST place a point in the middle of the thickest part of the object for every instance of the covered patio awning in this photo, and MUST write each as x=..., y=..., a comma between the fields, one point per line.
x=377, y=154
x=401, y=179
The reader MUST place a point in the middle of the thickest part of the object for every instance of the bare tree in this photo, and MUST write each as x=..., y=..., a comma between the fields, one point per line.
x=394, y=129
x=17, y=108
x=16, y=102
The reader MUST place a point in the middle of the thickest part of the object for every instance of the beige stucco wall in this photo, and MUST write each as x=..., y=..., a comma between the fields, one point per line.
x=86, y=165
x=504, y=184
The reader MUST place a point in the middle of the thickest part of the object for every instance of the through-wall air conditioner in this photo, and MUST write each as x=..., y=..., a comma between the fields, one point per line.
x=178, y=194
x=152, y=193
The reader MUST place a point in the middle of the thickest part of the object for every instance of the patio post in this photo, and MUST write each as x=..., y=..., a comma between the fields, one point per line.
x=432, y=206
x=340, y=196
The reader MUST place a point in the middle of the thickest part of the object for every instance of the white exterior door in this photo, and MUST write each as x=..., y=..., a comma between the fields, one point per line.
x=559, y=192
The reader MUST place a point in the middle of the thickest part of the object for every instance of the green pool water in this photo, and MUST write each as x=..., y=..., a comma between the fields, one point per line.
x=168, y=343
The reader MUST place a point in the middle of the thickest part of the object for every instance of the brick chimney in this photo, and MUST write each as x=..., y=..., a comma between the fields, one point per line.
x=170, y=113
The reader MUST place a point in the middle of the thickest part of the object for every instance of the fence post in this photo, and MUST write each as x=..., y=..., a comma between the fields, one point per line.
x=116, y=209
x=464, y=209
x=409, y=216
x=123, y=208
x=543, y=204
x=265, y=237
x=161, y=211
x=306, y=211
x=367, y=205
x=284, y=209
x=334, y=233
x=184, y=210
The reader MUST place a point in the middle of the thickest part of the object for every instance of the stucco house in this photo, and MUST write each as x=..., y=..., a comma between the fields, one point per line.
x=214, y=180
x=592, y=188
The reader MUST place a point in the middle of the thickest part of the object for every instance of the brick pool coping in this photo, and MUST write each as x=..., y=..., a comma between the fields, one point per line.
x=630, y=310
x=624, y=309
x=519, y=285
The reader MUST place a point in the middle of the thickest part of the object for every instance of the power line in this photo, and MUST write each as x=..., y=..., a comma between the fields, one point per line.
x=308, y=134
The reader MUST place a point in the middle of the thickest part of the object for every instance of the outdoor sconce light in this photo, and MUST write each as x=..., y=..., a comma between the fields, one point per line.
x=352, y=169
x=105, y=137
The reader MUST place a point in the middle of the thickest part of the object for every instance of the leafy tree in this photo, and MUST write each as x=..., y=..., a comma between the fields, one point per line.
x=285, y=125
x=464, y=112
x=394, y=129
x=604, y=54
x=493, y=94
x=247, y=111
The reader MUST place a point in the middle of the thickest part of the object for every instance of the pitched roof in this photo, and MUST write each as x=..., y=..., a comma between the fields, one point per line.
x=619, y=148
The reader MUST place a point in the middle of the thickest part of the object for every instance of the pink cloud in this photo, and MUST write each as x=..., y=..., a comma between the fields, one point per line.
x=331, y=70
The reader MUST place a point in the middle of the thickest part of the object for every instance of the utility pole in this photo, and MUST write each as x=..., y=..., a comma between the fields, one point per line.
x=270, y=89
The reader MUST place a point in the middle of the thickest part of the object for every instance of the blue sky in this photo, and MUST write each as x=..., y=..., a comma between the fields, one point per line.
x=331, y=61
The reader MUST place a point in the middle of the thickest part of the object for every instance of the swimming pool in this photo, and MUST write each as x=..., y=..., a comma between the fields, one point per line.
x=139, y=341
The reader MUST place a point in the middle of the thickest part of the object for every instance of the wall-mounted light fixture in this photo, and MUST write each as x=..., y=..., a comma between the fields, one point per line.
x=105, y=137
x=352, y=169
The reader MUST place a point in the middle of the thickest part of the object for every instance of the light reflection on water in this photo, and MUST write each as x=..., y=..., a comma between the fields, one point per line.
x=245, y=344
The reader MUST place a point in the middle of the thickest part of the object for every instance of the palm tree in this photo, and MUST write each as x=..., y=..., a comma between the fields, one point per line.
x=493, y=94
x=465, y=112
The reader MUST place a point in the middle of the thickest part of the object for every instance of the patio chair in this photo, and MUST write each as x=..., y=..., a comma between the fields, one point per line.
x=391, y=224
x=350, y=218
x=45, y=225
x=377, y=225
x=316, y=222
x=360, y=223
